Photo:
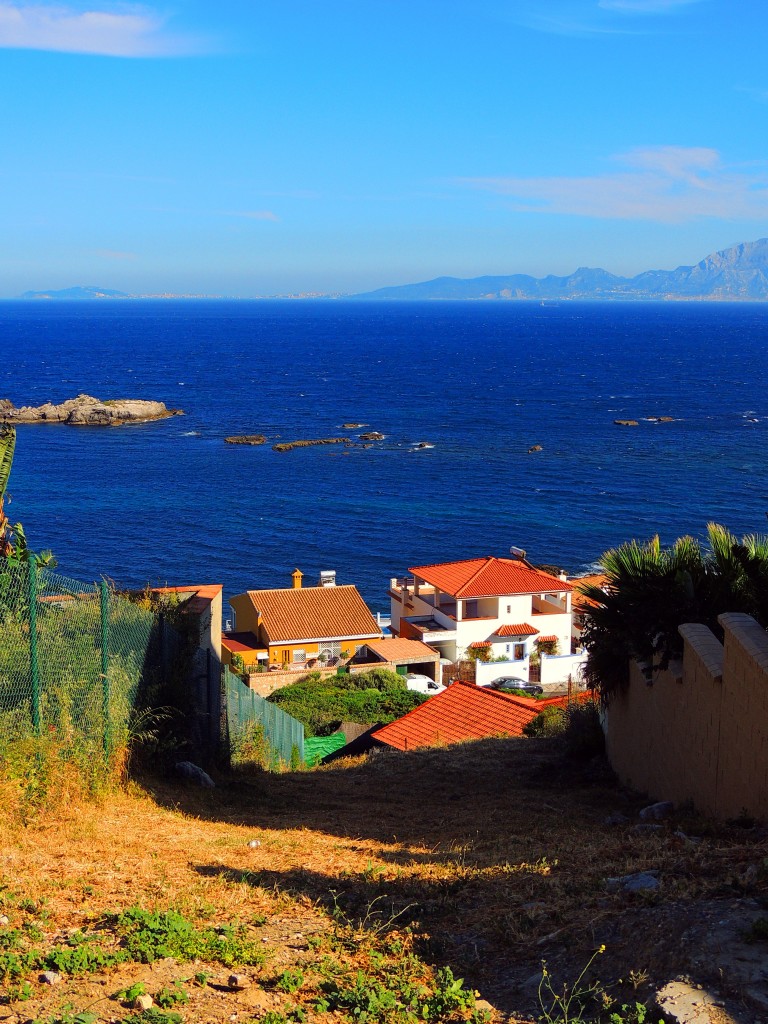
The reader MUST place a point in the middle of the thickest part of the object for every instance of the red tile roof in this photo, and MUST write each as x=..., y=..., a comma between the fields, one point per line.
x=548, y=639
x=489, y=577
x=314, y=613
x=519, y=629
x=581, y=602
x=480, y=643
x=400, y=649
x=462, y=712
x=238, y=643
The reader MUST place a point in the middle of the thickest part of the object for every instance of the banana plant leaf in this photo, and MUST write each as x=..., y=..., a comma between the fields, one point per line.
x=7, y=445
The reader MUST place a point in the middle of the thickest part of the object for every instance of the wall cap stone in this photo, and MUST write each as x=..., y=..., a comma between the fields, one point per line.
x=705, y=644
x=746, y=632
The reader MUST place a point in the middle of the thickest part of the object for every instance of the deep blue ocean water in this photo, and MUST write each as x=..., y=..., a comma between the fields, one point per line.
x=482, y=382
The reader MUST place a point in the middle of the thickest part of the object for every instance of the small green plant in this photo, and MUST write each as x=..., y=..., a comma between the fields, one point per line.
x=128, y=995
x=154, y=1016
x=289, y=981
x=567, y=1005
x=152, y=935
x=171, y=996
x=21, y=993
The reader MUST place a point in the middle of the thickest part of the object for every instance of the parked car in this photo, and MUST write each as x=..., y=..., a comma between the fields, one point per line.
x=422, y=684
x=514, y=683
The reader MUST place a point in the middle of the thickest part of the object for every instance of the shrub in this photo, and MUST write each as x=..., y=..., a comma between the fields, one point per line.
x=550, y=721
x=321, y=703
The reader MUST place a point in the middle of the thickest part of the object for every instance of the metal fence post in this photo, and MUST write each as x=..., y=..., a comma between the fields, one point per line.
x=105, y=667
x=34, y=667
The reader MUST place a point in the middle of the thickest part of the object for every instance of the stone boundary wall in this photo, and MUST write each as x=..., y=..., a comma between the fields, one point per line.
x=699, y=732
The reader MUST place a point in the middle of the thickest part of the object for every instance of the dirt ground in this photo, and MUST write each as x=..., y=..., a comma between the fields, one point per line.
x=487, y=858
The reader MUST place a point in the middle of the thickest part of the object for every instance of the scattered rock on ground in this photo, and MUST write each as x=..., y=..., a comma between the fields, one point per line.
x=238, y=981
x=190, y=771
x=50, y=978
x=686, y=1004
x=658, y=811
x=143, y=1002
x=641, y=881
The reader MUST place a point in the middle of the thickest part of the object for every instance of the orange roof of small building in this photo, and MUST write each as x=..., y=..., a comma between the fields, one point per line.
x=461, y=712
x=582, y=603
x=399, y=649
x=240, y=643
x=518, y=629
x=550, y=638
x=314, y=613
x=489, y=577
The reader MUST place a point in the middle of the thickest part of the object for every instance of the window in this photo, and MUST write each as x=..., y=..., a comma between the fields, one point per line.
x=507, y=646
x=330, y=649
x=509, y=609
x=299, y=656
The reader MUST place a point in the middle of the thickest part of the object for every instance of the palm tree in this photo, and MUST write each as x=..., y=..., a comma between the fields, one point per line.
x=7, y=446
x=13, y=541
x=650, y=591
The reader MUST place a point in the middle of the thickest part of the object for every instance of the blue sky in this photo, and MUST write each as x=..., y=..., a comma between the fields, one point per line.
x=254, y=147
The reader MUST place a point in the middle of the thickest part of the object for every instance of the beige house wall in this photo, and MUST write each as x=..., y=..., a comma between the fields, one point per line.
x=699, y=733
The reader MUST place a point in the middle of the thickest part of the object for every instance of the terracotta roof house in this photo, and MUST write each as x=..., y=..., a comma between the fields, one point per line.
x=462, y=712
x=399, y=655
x=504, y=604
x=303, y=627
x=581, y=603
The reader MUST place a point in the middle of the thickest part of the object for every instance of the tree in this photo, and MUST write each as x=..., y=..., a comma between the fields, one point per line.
x=651, y=590
x=13, y=540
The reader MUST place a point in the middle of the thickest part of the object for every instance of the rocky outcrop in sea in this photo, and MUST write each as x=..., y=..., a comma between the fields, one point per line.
x=87, y=411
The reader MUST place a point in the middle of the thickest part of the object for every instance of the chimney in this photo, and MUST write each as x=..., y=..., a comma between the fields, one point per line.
x=327, y=578
x=297, y=575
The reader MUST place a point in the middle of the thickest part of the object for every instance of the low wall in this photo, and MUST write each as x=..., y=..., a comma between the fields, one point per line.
x=556, y=668
x=487, y=671
x=699, y=732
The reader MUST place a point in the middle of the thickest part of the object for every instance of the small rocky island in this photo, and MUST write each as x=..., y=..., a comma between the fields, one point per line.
x=86, y=411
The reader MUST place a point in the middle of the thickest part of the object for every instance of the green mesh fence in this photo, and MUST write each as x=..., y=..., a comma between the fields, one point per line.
x=72, y=656
x=253, y=721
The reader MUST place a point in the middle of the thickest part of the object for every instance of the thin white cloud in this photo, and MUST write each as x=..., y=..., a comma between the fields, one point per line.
x=115, y=254
x=254, y=215
x=670, y=184
x=596, y=17
x=123, y=31
x=645, y=6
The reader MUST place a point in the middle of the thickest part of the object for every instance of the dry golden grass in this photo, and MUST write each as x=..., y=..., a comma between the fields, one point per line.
x=486, y=858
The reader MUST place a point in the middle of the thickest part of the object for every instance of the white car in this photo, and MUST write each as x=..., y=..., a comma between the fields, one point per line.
x=422, y=684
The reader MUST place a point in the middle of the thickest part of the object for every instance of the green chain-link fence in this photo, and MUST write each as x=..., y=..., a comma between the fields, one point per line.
x=251, y=721
x=72, y=657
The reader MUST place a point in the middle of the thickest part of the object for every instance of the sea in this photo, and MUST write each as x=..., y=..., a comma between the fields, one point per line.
x=480, y=383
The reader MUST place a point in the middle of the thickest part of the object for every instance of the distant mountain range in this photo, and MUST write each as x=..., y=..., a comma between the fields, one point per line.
x=88, y=291
x=740, y=272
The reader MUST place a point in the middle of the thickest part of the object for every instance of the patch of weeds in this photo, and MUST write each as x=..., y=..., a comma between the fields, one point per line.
x=171, y=995
x=153, y=935
x=399, y=1000
x=758, y=930
x=154, y=1016
x=82, y=956
x=70, y=1015
x=289, y=981
x=20, y=993
x=201, y=978
x=127, y=995
x=293, y=1015
x=567, y=1005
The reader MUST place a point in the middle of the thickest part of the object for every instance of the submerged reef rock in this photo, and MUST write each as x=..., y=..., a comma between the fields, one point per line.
x=287, y=446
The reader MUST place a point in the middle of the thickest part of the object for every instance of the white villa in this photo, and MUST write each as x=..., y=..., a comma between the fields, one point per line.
x=504, y=603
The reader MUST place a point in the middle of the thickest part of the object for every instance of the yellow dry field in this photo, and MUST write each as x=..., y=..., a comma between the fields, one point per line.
x=364, y=877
